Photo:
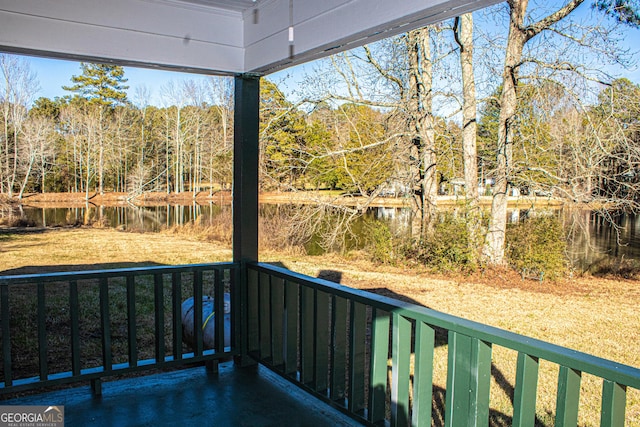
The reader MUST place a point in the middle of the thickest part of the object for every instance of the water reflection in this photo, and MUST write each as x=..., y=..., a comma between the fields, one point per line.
x=592, y=237
x=133, y=218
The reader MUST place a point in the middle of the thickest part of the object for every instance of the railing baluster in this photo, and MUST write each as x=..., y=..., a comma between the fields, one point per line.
x=423, y=375
x=468, y=381
x=176, y=300
x=338, y=349
x=524, y=401
x=306, y=335
x=197, y=312
x=131, y=320
x=6, y=335
x=292, y=310
x=252, y=322
x=277, y=322
x=400, y=370
x=264, y=292
x=42, y=332
x=219, y=311
x=357, y=356
x=105, y=324
x=237, y=305
x=614, y=401
x=74, y=311
x=568, y=398
x=158, y=303
x=379, y=358
x=321, y=371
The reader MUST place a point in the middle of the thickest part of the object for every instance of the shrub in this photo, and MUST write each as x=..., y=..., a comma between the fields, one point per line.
x=379, y=242
x=446, y=247
x=537, y=247
x=619, y=268
x=17, y=221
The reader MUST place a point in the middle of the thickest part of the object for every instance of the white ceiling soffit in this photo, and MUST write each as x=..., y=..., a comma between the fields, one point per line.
x=210, y=36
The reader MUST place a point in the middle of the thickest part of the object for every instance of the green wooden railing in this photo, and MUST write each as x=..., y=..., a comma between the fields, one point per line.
x=370, y=356
x=67, y=327
x=337, y=343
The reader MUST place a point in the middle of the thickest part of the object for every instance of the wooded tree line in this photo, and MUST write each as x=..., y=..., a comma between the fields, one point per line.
x=97, y=140
x=517, y=103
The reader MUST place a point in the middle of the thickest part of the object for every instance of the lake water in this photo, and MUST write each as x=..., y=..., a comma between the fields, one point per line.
x=593, y=238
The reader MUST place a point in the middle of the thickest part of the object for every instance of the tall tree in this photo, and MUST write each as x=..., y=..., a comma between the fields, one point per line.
x=422, y=122
x=520, y=32
x=523, y=28
x=103, y=86
x=17, y=89
x=463, y=32
x=281, y=136
x=623, y=11
x=37, y=148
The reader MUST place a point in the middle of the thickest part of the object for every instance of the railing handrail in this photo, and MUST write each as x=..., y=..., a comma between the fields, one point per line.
x=587, y=363
x=114, y=272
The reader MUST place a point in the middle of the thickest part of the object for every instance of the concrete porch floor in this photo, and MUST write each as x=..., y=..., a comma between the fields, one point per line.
x=193, y=397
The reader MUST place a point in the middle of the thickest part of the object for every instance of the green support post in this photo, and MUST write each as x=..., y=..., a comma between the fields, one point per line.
x=245, y=168
x=245, y=192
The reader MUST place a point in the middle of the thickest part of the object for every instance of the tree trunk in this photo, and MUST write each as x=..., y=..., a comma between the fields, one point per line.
x=495, y=241
x=464, y=37
x=32, y=159
x=101, y=151
x=519, y=35
x=423, y=132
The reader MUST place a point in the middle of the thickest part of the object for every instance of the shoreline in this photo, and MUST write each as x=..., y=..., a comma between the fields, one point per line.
x=44, y=200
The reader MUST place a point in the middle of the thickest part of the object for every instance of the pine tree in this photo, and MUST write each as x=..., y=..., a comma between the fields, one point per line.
x=101, y=84
x=624, y=11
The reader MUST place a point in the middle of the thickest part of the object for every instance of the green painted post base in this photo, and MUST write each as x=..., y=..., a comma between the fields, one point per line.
x=211, y=366
x=96, y=387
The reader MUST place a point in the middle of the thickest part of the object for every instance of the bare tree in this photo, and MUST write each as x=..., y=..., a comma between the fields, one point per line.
x=394, y=76
x=422, y=122
x=37, y=148
x=175, y=100
x=219, y=148
x=463, y=33
x=19, y=86
x=520, y=32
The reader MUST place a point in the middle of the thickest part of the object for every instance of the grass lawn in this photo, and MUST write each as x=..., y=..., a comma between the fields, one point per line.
x=597, y=316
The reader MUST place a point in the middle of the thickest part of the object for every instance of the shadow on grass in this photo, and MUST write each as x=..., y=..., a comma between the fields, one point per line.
x=10, y=233
x=44, y=269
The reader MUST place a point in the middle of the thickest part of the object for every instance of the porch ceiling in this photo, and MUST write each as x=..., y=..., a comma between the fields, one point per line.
x=210, y=36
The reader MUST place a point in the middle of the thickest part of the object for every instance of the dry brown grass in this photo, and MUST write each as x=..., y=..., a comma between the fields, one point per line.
x=37, y=250
x=597, y=316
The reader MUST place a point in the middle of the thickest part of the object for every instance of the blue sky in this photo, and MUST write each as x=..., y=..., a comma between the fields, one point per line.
x=53, y=74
